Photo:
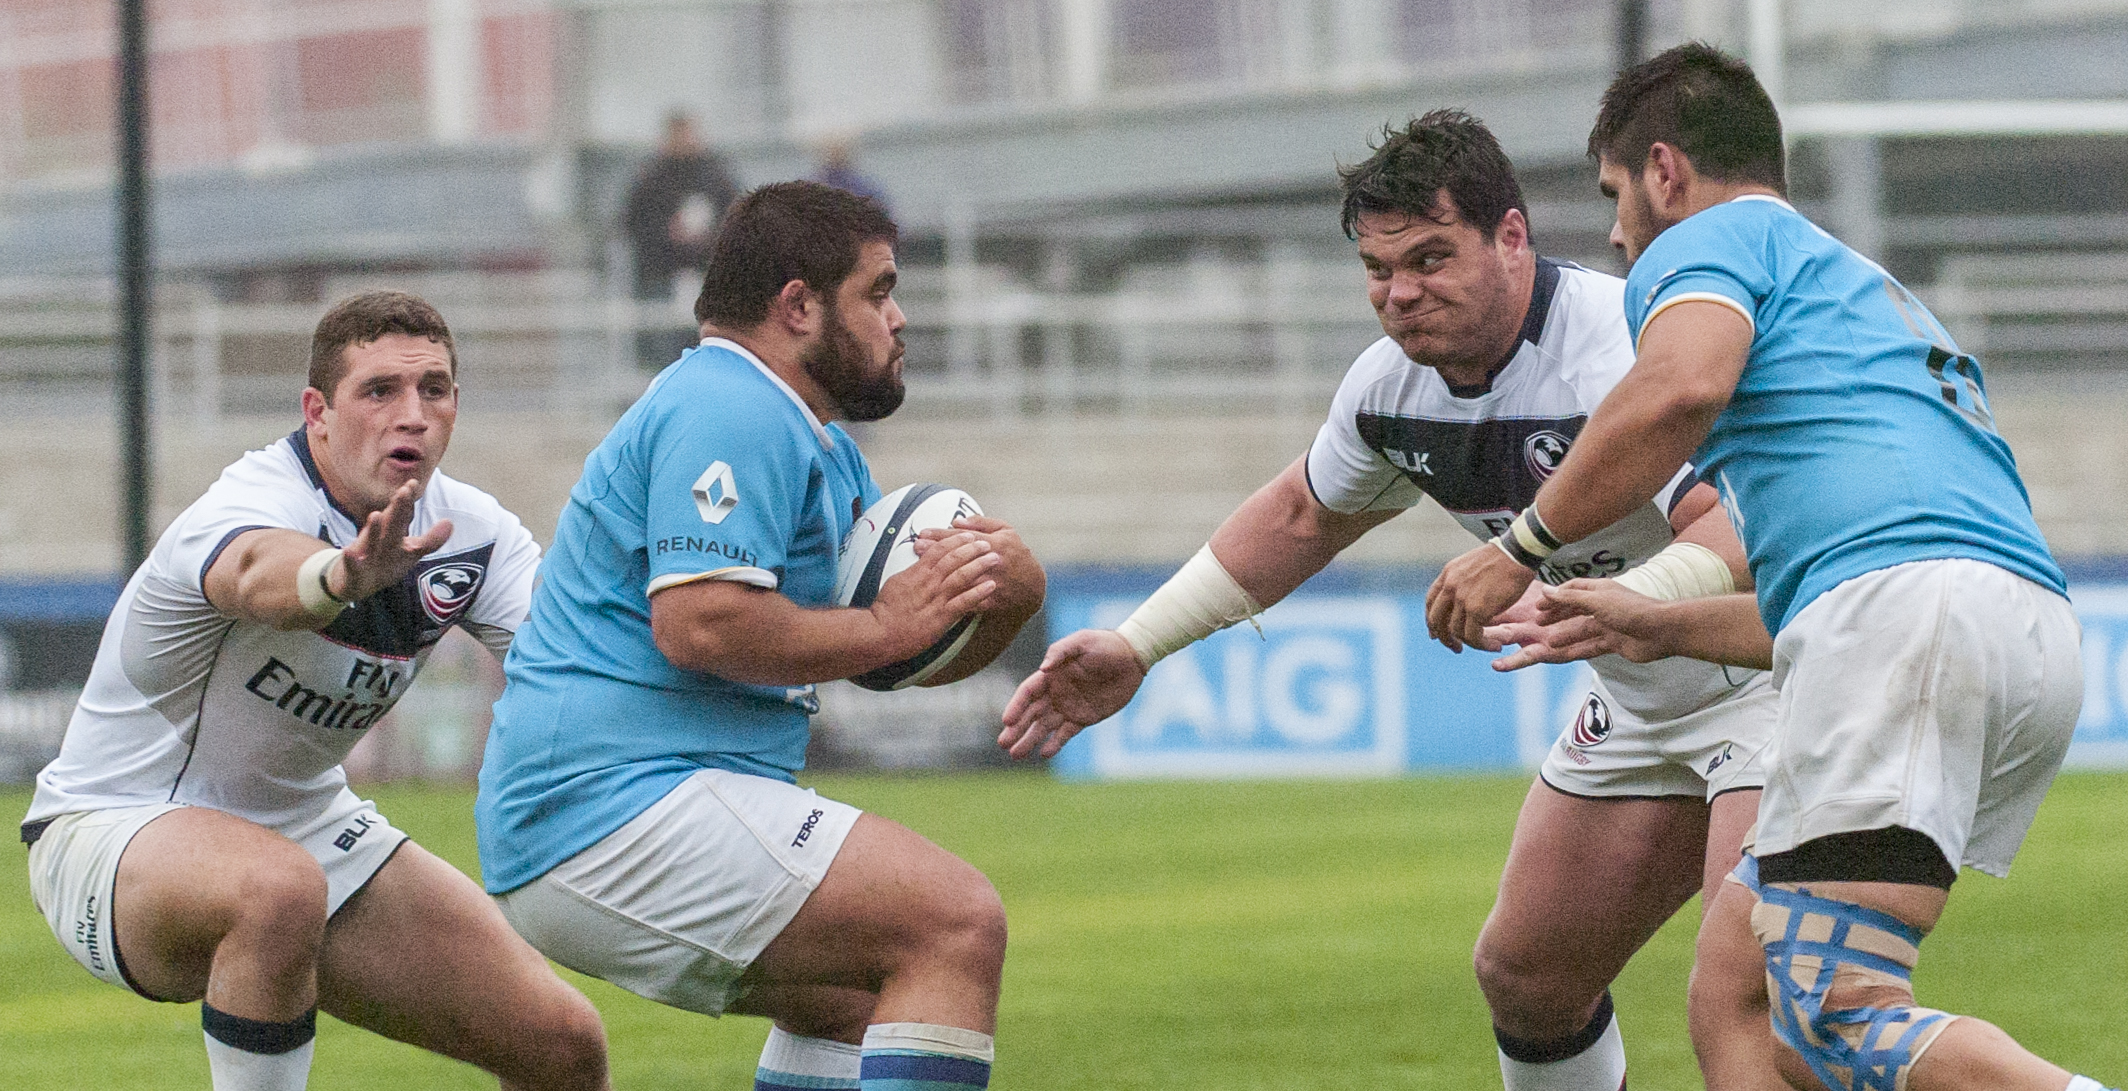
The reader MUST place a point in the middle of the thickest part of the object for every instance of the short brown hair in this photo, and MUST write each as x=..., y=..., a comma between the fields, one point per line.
x=1701, y=101
x=360, y=319
x=1444, y=150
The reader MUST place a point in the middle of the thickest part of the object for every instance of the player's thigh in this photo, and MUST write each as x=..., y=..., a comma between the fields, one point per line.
x=835, y=1012
x=187, y=879
x=1587, y=882
x=890, y=897
x=422, y=955
x=1730, y=818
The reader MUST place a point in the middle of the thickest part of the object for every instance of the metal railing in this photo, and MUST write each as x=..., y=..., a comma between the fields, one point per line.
x=1193, y=335
x=2037, y=308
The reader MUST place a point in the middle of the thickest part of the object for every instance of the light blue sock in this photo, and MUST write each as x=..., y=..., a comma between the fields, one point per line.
x=792, y=1062
x=925, y=1057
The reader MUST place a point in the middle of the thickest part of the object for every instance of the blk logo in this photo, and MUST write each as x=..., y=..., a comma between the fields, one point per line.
x=715, y=495
x=1411, y=462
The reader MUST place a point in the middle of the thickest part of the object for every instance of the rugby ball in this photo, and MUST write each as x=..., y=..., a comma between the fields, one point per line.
x=882, y=543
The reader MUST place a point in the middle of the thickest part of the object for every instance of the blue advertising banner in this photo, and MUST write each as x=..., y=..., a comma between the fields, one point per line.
x=1348, y=684
x=2102, y=730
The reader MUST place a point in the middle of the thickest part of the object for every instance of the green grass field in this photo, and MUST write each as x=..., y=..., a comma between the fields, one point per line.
x=1232, y=936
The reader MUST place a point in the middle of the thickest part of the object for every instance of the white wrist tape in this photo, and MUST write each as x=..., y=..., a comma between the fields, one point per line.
x=317, y=599
x=1683, y=570
x=1194, y=603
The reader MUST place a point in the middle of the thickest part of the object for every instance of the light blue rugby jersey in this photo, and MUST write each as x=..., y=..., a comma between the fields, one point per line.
x=718, y=468
x=1859, y=436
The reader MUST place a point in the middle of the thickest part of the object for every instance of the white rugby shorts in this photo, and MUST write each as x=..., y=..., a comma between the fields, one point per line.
x=1609, y=753
x=1935, y=695
x=74, y=869
x=675, y=905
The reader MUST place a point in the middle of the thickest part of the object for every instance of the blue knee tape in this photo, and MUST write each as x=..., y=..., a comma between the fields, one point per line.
x=1888, y=1037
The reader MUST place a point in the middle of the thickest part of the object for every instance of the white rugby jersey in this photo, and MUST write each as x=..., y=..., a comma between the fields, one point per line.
x=187, y=705
x=1397, y=432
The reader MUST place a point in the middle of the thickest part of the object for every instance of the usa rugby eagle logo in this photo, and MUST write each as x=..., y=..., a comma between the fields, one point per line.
x=447, y=589
x=1593, y=725
x=1543, y=452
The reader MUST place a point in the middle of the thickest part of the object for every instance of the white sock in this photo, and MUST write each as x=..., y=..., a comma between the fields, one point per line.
x=282, y=1059
x=1599, y=1067
x=242, y=1070
x=2084, y=1083
x=795, y=1061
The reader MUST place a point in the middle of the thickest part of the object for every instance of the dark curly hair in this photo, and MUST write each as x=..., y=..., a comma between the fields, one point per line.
x=1444, y=150
x=786, y=231
x=360, y=319
x=1701, y=101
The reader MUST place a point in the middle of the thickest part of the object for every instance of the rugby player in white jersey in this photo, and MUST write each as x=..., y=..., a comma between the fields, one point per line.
x=196, y=838
x=1494, y=358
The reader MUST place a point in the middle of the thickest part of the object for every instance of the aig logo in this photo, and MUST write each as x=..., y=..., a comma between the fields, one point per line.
x=1321, y=692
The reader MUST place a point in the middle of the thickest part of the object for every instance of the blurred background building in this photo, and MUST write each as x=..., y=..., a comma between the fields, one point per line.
x=1129, y=296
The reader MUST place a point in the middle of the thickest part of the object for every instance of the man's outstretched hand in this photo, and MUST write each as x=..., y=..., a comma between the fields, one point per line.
x=1084, y=679
x=382, y=554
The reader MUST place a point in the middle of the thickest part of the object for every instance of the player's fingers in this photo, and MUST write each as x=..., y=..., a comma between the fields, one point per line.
x=1037, y=729
x=958, y=581
x=1066, y=651
x=960, y=553
x=1565, y=602
x=1058, y=738
x=1025, y=696
x=1578, y=650
x=1438, y=606
x=399, y=511
x=1016, y=722
x=431, y=540
x=1528, y=655
x=974, y=599
x=1514, y=632
x=981, y=523
x=1473, y=629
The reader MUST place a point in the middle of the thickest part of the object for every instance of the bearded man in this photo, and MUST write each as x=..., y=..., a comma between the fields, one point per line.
x=638, y=816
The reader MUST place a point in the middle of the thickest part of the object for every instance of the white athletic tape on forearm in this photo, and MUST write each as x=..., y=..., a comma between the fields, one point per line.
x=318, y=601
x=1683, y=570
x=1194, y=603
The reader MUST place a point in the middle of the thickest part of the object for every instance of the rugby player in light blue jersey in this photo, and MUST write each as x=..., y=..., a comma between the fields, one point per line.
x=1923, y=645
x=637, y=816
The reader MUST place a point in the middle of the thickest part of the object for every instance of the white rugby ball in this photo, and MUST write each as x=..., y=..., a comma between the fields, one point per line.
x=880, y=544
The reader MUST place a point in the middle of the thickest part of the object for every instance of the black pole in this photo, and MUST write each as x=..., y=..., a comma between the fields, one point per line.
x=1631, y=44
x=135, y=484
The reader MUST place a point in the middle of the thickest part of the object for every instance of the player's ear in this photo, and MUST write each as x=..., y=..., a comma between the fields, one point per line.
x=314, y=407
x=1512, y=233
x=797, y=308
x=1667, y=173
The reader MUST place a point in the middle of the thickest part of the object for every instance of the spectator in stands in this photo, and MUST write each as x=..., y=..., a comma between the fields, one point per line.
x=837, y=169
x=671, y=219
